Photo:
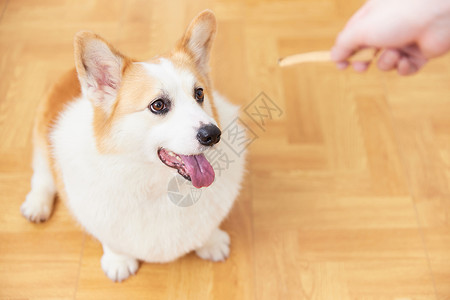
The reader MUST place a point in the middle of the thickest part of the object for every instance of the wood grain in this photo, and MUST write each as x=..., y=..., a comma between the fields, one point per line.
x=347, y=194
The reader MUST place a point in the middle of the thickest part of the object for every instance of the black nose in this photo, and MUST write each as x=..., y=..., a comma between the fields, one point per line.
x=208, y=135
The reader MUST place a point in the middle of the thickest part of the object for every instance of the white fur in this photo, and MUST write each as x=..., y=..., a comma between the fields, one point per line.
x=39, y=201
x=122, y=199
x=217, y=247
x=116, y=266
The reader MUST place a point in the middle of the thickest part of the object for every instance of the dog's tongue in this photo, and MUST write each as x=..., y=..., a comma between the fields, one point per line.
x=199, y=169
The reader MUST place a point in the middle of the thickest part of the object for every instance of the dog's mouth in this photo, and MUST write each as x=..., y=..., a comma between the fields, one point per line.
x=195, y=168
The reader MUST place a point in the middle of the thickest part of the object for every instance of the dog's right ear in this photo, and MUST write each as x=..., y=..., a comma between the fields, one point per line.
x=198, y=38
x=99, y=68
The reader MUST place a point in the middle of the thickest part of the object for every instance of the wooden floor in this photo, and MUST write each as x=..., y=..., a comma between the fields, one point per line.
x=348, y=190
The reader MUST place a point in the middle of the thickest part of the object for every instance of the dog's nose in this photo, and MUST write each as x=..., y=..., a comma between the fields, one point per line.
x=208, y=135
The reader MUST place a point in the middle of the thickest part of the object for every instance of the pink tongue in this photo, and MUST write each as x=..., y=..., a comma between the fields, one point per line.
x=200, y=170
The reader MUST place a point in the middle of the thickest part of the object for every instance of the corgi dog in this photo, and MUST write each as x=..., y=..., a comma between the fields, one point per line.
x=114, y=133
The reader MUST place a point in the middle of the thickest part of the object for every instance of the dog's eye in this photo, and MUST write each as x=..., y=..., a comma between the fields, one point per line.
x=199, y=96
x=158, y=106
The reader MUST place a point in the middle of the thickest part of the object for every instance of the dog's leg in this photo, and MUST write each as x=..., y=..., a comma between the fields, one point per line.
x=118, y=267
x=217, y=247
x=39, y=201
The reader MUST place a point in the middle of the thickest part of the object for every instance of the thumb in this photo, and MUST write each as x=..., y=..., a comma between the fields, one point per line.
x=351, y=37
x=350, y=40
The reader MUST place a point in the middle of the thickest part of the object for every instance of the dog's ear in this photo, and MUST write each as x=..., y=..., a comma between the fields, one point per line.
x=99, y=68
x=198, y=39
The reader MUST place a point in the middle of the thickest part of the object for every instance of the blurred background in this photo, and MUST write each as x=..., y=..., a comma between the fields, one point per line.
x=347, y=194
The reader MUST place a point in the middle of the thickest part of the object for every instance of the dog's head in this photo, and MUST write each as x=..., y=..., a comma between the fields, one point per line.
x=160, y=111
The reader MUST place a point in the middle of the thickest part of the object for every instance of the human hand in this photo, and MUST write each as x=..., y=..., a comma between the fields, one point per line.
x=407, y=32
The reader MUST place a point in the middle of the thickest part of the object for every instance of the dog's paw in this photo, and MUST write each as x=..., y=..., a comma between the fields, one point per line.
x=217, y=248
x=37, y=207
x=118, y=267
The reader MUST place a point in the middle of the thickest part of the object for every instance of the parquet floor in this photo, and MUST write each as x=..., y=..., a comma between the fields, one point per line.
x=348, y=190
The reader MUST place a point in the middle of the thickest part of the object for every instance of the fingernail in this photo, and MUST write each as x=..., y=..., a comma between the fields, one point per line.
x=360, y=66
x=342, y=65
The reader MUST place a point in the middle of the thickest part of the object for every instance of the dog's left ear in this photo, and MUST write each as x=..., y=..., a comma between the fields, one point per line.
x=198, y=39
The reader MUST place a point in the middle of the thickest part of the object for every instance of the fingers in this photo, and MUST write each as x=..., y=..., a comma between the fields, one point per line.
x=388, y=60
x=342, y=65
x=413, y=60
x=405, y=67
x=360, y=66
x=407, y=60
x=408, y=66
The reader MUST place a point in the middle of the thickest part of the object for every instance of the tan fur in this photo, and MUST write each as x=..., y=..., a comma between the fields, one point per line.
x=137, y=88
x=135, y=95
x=63, y=92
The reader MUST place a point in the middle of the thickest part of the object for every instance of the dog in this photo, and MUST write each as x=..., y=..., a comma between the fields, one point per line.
x=114, y=133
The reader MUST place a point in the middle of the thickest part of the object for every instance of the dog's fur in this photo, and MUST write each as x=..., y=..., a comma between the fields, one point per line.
x=96, y=144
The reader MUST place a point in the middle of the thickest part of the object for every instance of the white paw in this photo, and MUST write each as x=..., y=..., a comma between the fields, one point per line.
x=37, y=207
x=118, y=267
x=217, y=248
